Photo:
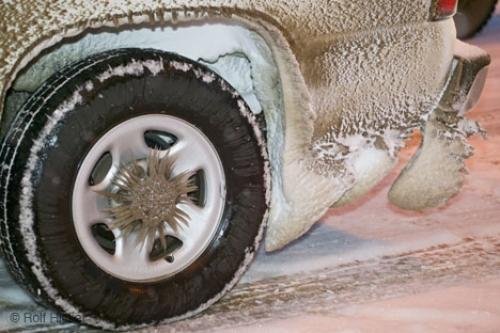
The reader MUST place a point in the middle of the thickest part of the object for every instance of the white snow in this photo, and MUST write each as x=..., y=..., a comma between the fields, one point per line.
x=135, y=68
x=181, y=66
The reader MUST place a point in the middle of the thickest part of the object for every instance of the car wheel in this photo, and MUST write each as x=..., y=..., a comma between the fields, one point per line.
x=472, y=16
x=134, y=189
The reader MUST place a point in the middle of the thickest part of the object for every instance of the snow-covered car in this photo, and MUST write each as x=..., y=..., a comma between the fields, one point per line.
x=148, y=146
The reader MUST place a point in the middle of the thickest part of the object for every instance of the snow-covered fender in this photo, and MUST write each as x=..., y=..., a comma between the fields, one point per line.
x=356, y=77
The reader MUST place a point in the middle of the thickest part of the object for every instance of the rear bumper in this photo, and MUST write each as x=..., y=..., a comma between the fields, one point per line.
x=467, y=78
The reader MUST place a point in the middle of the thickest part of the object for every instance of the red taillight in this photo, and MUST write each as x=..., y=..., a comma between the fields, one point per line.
x=444, y=9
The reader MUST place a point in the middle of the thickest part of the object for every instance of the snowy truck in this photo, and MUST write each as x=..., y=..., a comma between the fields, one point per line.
x=149, y=146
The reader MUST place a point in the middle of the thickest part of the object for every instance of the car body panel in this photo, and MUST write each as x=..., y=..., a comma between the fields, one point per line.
x=356, y=79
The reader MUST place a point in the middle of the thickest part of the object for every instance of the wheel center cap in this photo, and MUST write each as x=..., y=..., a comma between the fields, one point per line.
x=148, y=197
x=154, y=199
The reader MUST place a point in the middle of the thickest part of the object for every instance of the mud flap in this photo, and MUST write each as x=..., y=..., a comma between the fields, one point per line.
x=436, y=173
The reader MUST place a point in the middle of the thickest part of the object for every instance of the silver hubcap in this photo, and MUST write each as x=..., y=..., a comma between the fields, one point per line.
x=159, y=207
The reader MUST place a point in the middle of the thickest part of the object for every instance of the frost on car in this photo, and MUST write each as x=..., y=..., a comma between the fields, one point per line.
x=147, y=144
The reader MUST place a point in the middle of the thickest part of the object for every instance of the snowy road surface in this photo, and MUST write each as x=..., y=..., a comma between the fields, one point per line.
x=365, y=268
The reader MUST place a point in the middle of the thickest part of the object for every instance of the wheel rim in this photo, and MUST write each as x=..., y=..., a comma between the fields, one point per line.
x=158, y=208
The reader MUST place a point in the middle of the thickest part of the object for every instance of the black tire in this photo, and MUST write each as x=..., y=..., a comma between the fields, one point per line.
x=46, y=256
x=473, y=16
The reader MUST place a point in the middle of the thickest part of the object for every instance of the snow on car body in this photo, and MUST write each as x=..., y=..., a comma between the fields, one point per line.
x=340, y=85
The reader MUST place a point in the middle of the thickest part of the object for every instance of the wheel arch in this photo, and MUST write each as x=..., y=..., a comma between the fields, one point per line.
x=288, y=85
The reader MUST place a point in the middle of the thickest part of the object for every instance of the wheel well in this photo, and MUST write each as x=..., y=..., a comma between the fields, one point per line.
x=241, y=56
x=252, y=56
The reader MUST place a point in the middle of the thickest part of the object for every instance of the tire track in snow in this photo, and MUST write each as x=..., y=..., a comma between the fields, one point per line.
x=354, y=283
x=324, y=291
